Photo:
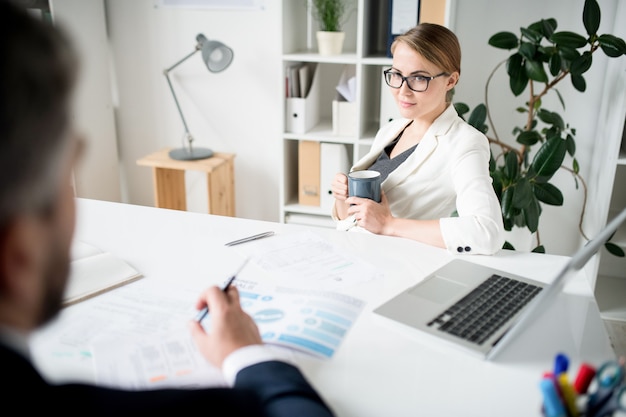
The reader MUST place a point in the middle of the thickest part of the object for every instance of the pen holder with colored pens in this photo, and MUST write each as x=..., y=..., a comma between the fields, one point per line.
x=594, y=392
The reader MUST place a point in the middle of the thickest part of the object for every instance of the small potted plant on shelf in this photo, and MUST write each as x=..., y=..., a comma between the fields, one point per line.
x=331, y=15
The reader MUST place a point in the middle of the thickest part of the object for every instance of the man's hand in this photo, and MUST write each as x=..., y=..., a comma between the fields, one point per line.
x=231, y=327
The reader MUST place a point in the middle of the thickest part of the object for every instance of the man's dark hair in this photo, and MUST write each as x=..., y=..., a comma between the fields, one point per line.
x=37, y=74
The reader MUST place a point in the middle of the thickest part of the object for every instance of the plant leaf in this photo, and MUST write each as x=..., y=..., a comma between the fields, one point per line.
x=504, y=40
x=523, y=194
x=612, y=45
x=531, y=214
x=497, y=181
x=535, y=70
x=579, y=83
x=548, y=193
x=528, y=137
x=508, y=246
x=581, y=64
x=539, y=249
x=614, y=249
x=555, y=64
x=478, y=116
x=568, y=39
x=571, y=145
x=591, y=16
x=511, y=166
x=551, y=118
x=506, y=203
x=461, y=109
x=558, y=93
x=568, y=54
x=531, y=34
x=548, y=26
x=549, y=158
x=517, y=75
x=527, y=50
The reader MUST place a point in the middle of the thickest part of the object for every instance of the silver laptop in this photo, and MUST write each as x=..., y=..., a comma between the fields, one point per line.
x=482, y=309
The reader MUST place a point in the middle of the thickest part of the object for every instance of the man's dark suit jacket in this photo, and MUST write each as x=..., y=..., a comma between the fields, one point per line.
x=265, y=389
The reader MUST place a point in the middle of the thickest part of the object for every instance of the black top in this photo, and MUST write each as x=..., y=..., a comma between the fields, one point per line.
x=386, y=165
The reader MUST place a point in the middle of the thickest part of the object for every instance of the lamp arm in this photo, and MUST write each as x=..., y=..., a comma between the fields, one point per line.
x=169, y=83
x=183, y=60
x=167, y=77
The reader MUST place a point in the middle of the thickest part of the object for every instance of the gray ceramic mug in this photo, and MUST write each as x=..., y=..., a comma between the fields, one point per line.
x=365, y=184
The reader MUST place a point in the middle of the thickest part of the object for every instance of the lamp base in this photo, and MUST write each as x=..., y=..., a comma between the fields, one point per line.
x=184, y=154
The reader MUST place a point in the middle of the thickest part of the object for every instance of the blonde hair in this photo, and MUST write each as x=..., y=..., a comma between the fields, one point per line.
x=437, y=44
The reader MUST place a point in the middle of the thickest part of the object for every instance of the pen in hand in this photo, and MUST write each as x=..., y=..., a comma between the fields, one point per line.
x=202, y=313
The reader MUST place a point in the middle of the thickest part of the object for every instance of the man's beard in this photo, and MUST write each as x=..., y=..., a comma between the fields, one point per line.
x=56, y=275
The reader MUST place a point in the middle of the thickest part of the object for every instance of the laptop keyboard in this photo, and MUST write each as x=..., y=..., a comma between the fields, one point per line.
x=480, y=313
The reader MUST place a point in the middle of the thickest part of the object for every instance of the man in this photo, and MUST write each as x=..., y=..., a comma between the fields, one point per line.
x=37, y=152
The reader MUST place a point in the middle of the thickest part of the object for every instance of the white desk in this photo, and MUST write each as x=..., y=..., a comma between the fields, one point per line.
x=381, y=368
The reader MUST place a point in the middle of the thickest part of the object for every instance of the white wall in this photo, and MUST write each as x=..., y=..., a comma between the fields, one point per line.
x=477, y=20
x=237, y=111
x=98, y=175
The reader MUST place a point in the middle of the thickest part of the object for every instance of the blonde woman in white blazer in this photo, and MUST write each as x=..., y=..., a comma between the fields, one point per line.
x=435, y=167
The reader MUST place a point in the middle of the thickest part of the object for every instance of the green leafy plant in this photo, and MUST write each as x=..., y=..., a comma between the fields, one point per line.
x=542, y=58
x=330, y=14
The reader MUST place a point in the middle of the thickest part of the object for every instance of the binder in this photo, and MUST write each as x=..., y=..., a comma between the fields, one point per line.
x=344, y=118
x=433, y=11
x=388, y=108
x=334, y=158
x=403, y=15
x=309, y=173
x=302, y=113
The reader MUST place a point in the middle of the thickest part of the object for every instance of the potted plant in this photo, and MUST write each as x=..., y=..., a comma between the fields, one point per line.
x=330, y=15
x=542, y=58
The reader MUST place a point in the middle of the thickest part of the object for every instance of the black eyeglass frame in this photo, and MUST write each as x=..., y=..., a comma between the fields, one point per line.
x=428, y=79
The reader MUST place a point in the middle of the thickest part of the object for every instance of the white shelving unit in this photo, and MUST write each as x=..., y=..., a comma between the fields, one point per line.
x=364, y=52
x=610, y=286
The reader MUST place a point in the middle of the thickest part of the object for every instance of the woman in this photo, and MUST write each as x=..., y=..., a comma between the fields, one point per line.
x=433, y=164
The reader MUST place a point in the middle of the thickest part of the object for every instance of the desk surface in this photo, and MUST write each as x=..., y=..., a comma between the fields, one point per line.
x=381, y=368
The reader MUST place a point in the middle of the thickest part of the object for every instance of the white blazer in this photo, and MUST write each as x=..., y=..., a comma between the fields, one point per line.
x=447, y=172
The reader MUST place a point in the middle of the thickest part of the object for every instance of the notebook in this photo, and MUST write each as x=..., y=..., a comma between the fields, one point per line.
x=93, y=272
x=482, y=309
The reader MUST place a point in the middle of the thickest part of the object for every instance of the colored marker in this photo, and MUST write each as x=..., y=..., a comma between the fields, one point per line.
x=552, y=405
x=569, y=395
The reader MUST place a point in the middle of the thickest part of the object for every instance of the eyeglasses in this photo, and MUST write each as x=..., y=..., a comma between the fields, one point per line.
x=417, y=83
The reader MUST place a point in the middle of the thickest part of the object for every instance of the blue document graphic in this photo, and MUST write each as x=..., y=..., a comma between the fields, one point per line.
x=313, y=321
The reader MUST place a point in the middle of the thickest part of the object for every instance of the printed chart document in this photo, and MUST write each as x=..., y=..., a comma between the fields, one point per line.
x=136, y=337
x=307, y=260
x=310, y=321
x=155, y=362
x=94, y=272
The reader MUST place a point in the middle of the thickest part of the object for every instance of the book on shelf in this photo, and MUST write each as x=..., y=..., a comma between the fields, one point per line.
x=93, y=272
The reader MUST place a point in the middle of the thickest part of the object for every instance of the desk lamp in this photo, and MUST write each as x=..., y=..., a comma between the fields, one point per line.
x=217, y=57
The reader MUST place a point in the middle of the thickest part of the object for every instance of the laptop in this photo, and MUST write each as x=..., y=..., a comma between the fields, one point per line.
x=482, y=309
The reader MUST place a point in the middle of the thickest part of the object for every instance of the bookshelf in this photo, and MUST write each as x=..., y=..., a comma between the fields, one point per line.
x=610, y=285
x=365, y=55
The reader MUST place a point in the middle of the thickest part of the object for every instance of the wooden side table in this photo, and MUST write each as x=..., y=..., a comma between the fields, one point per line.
x=169, y=180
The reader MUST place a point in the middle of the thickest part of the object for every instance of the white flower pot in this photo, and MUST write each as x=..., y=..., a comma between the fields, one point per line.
x=330, y=43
